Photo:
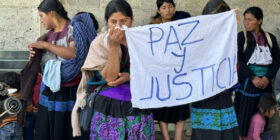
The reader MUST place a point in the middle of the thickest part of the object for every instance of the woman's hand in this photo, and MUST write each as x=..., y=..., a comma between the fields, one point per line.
x=35, y=110
x=265, y=82
x=257, y=82
x=123, y=78
x=115, y=37
x=39, y=45
x=236, y=10
x=31, y=53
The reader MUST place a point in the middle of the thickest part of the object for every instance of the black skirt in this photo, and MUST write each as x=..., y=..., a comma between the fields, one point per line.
x=116, y=108
x=246, y=101
x=214, y=118
x=172, y=114
x=54, y=114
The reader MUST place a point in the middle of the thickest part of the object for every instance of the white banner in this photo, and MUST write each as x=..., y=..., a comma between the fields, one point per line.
x=182, y=61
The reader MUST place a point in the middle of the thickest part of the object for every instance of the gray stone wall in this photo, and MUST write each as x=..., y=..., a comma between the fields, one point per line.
x=20, y=23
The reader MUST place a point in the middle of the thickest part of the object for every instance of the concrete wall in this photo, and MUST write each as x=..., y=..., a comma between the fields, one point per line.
x=20, y=23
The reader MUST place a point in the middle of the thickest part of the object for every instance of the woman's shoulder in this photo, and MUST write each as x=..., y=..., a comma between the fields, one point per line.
x=257, y=118
x=181, y=15
x=100, y=37
x=98, y=42
x=156, y=21
x=273, y=38
x=70, y=31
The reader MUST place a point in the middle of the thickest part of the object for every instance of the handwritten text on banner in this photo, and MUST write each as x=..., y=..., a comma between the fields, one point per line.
x=182, y=61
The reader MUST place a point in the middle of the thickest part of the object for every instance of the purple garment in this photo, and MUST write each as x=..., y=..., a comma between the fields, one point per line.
x=121, y=92
x=55, y=36
x=130, y=128
x=259, y=38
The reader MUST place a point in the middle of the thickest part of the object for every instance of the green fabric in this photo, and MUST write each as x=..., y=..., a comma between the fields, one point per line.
x=213, y=119
x=259, y=70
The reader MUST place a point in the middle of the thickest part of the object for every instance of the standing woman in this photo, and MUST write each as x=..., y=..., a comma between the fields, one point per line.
x=60, y=55
x=258, y=64
x=214, y=118
x=107, y=64
x=177, y=114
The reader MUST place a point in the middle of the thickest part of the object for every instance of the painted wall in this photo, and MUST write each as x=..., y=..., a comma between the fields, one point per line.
x=20, y=23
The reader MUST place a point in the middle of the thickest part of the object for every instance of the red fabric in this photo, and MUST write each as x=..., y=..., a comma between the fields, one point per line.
x=36, y=91
x=73, y=82
x=237, y=66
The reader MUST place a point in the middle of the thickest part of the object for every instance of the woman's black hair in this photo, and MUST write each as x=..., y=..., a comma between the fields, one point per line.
x=266, y=103
x=215, y=6
x=95, y=22
x=118, y=6
x=53, y=5
x=12, y=79
x=160, y=3
x=256, y=11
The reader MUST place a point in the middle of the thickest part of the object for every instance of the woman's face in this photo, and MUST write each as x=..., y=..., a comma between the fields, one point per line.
x=166, y=11
x=251, y=24
x=45, y=20
x=119, y=19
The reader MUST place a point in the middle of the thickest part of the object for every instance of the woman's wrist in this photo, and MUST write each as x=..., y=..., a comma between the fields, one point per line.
x=47, y=46
x=114, y=48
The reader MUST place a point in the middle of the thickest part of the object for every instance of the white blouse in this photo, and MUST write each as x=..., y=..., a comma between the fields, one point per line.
x=261, y=56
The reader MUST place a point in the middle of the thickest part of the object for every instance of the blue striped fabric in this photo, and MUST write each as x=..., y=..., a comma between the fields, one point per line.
x=83, y=34
x=58, y=106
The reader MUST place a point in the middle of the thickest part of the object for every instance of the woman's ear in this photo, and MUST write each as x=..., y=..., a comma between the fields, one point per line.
x=51, y=13
x=260, y=21
x=158, y=11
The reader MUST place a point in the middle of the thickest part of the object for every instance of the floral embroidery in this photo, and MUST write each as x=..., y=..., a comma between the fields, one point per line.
x=214, y=119
x=131, y=128
x=207, y=119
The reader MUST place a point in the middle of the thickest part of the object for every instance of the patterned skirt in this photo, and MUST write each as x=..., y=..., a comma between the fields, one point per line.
x=246, y=101
x=54, y=114
x=214, y=118
x=117, y=120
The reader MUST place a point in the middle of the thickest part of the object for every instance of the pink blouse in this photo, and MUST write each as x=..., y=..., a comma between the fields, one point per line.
x=256, y=127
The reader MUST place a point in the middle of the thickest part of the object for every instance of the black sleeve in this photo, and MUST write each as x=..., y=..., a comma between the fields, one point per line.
x=277, y=83
x=244, y=70
x=188, y=14
x=181, y=15
x=275, y=54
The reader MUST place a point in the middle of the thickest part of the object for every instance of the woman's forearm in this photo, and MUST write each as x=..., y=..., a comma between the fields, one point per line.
x=112, y=67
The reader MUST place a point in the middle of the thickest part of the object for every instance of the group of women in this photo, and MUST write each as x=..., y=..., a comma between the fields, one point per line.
x=107, y=59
